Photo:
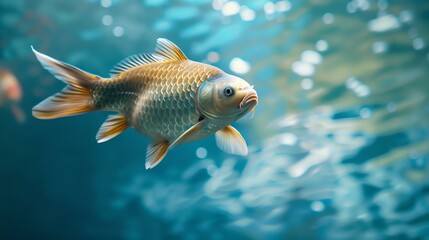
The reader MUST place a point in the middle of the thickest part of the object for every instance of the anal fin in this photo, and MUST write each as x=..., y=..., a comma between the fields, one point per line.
x=155, y=153
x=112, y=127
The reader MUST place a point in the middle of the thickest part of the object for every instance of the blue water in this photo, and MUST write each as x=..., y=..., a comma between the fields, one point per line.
x=338, y=145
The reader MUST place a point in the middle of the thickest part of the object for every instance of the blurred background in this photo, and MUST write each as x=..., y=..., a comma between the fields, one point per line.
x=338, y=146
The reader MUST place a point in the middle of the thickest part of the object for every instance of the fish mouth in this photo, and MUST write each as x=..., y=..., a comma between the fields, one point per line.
x=250, y=100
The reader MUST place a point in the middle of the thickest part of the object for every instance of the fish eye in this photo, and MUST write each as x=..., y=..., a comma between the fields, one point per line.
x=228, y=91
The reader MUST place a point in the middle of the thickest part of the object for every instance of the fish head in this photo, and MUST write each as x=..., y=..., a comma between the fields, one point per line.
x=226, y=97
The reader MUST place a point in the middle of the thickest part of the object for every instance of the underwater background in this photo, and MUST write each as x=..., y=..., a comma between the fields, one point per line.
x=338, y=145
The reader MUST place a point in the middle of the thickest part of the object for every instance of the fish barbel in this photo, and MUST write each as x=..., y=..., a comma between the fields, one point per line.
x=163, y=95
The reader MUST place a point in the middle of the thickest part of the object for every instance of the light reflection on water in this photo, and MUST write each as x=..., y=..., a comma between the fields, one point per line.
x=338, y=145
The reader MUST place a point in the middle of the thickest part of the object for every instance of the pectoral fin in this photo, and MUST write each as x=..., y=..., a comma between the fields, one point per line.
x=189, y=134
x=155, y=153
x=112, y=127
x=231, y=141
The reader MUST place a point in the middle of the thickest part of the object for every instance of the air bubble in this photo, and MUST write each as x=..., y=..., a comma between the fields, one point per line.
x=230, y=8
x=418, y=44
x=365, y=113
x=379, y=47
x=239, y=66
x=307, y=84
x=106, y=3
x=107, y=20
x=328, y=18
x=213, y=57
x=317, y=206
x=303, y=68
x=201, y=152
x=118, y=31
x=322, y=45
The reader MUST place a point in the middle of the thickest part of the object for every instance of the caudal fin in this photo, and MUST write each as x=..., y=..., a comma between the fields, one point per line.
x=74, y=99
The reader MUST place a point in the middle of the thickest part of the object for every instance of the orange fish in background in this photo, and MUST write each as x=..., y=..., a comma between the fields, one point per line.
x=11, y=93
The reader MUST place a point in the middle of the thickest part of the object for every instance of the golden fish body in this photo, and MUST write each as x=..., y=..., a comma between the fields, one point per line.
x=159, y=100
x=163, y=95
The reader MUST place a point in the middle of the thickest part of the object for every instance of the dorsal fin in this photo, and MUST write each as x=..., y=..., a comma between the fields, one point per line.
x=170, y=51
x=135, y=61
x=165, y=51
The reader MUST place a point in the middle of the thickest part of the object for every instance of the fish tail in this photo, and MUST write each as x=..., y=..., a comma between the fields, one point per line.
x=74, y=99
